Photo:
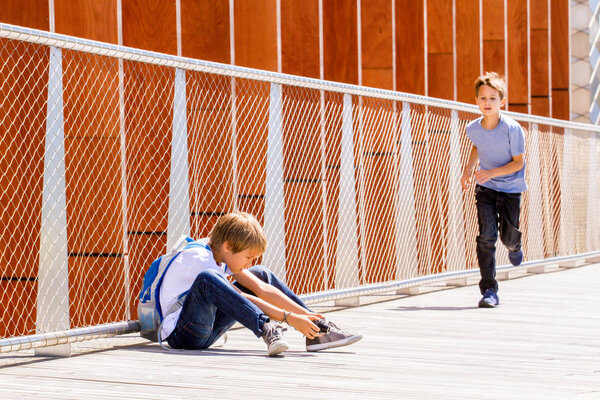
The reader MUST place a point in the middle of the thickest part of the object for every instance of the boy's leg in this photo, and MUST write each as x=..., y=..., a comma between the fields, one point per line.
x=487, y=217
x=265, y=275
x=509, y=208
x=210, y=308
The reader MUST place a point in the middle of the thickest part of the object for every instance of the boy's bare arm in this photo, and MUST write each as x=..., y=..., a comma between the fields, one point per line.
x=268, y=292
x=465, y=179
x=515, y=165
x=301, y=322
x=273, y=302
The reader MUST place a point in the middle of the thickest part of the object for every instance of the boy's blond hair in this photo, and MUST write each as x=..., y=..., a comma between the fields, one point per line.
x=492, y=80
x=241, y=231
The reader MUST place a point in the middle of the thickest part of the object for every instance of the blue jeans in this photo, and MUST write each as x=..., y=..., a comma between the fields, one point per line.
x=212, y=306
x=496, y=211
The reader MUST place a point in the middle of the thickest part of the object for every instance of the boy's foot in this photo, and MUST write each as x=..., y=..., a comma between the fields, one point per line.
x=515, y=258
x=273, y=337
x=331, y=337
x=489, y=300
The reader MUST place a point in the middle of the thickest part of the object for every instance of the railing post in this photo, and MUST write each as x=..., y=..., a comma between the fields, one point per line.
x=179, y=200
x=456, y=222
x=593, y=220
x=406, y=234
x=274, y=224
x=346, y=274
x=53, y=278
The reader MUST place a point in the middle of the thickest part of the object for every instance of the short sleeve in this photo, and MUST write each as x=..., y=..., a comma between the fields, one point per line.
x=517, y=141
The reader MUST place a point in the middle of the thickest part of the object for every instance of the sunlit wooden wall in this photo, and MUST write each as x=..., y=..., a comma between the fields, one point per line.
x=428, y=47
x=433, y=47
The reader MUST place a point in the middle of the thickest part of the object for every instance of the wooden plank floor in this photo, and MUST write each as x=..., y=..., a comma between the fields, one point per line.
x=543, y=342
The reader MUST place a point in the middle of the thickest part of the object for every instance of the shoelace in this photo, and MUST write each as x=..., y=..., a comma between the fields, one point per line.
x=334, y=327
x=276, y=332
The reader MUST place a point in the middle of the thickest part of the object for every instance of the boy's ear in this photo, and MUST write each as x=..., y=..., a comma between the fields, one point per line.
x=503, y=101
x=227, y=247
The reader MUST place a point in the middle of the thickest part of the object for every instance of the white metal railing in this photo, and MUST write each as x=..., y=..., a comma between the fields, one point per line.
x=109, y=152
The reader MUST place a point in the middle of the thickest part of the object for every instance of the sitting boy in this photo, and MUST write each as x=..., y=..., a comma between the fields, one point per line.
x=256, y=299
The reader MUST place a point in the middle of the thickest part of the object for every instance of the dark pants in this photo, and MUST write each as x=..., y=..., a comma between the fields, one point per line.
x=212, y=306
x=495, y=211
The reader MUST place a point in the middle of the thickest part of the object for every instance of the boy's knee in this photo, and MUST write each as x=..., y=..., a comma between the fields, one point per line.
x=208, y=275
x=487, y=239
x=261, y=272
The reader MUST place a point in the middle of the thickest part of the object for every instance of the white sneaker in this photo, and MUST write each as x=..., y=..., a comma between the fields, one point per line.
x=273, y=337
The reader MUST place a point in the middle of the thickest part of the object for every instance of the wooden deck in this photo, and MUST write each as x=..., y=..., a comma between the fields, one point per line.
x=543, y=342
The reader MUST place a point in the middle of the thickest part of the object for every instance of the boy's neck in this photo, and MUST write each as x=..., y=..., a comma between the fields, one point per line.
x=490, y=121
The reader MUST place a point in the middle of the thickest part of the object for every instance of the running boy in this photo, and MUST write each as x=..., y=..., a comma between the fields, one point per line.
x=256, y=299
x=499, y=144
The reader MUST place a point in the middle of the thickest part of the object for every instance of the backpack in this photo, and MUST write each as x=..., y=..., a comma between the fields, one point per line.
x=149, y=313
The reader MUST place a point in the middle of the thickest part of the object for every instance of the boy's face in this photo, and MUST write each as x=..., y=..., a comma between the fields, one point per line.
x=240, y=260
x=488, y=100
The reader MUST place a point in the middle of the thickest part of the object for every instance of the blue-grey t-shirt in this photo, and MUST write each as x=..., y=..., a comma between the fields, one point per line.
x=496, y=148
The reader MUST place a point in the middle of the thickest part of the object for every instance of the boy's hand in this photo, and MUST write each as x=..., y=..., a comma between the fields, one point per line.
x=483, y=175
x=465, y=181
x=304, y=324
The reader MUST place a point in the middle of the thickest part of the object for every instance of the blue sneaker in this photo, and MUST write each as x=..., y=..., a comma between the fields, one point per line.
x=489, y=300
x=515, y=258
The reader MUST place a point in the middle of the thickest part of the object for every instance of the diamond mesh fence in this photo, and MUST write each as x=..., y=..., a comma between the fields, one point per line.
x=106, y=158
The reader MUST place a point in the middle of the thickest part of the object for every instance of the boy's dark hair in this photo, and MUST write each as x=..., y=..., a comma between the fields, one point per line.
x=492, y=80
x=241, y=231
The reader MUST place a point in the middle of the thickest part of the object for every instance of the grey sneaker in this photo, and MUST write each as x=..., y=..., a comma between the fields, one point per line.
x=273, y=337
x=331, y=337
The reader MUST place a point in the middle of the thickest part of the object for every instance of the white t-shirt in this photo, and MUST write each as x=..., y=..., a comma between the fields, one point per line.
x=181, y=275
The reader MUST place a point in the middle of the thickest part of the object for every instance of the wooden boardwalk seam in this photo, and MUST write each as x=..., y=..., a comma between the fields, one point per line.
x=543, y=342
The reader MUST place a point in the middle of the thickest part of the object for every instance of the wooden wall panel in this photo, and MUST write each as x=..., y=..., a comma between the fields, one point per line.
x=540, y=57
x=205, y=30
x=518, y=57
x=467, y=49
x=410, y=46
x=440, y=76
x=210, y=143
x=150, y=25
x=340, y=41
x=23, y=95
x=144, y=248
x=540, y=105
x=94, y=195
x=302, y=148
x=31, y=14
x=561, y=103
x=440, y=49
x=17, y=307
x=90, y=19
x=300, y=38
x=493, y=36
x=377, y=47
x=92, y=154
x=148, y=130
x=304, y=230
x=379, y=243
x=97, y=290
x=252, y=108
x=256, y=34
x=559, y=32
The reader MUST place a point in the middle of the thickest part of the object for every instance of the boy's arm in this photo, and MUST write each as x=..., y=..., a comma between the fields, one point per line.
x=301, y=322
x=515, y=165
x=465, y=179
x=274, y=302
x=268, y=293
